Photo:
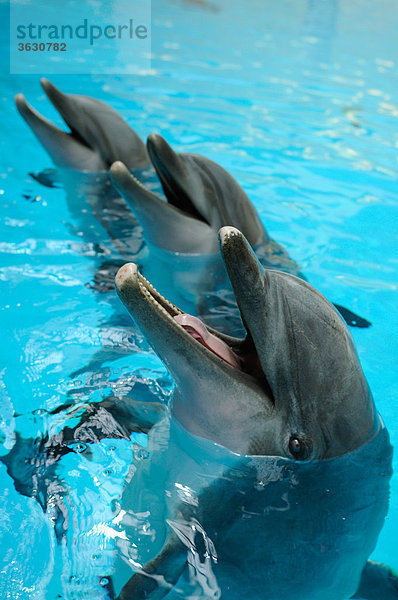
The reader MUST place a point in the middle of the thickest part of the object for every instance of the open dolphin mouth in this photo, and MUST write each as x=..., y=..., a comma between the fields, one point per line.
x=61, y=104
x=198, y=330
x=240, y=354
x=193, y=326
x=295, y=379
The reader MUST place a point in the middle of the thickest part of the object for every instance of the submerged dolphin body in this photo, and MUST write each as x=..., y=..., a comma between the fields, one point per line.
x=298, y=490
x=270, y=479
x=201, y=198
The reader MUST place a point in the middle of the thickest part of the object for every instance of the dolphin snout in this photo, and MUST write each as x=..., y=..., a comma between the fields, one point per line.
x=125, y=276
x=227, y=232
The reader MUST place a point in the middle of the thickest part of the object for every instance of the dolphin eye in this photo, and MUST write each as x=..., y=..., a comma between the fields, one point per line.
x=297, y=448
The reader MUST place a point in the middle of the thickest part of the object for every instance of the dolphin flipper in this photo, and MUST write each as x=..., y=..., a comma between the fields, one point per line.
x=134, y=415
x=47, y=177
x=114, y=417
x=378, y=582
x=352, y=319
x=159, y=576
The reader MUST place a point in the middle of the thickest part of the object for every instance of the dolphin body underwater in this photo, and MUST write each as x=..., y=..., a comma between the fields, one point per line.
x=182, y=232
x=290, y=489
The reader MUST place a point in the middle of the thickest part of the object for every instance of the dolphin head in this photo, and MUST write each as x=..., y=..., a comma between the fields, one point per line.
x=201, y=197
x=202, y=187
x=293, y=387
x=98, y=135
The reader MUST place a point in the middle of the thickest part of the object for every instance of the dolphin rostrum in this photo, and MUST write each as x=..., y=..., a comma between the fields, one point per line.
x=98, y=135
x=202, y=197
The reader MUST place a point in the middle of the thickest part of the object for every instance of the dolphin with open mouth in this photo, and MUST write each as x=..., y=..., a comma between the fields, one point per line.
x=300, y=493
x=268, y=477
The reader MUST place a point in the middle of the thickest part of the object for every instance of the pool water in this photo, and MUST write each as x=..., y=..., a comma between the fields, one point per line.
x=298, y=100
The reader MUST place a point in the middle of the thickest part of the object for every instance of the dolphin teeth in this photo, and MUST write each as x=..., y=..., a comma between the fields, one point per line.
x=161, y=303
x=141, y=185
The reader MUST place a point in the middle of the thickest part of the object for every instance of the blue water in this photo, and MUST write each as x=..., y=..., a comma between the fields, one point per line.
x=298, y=100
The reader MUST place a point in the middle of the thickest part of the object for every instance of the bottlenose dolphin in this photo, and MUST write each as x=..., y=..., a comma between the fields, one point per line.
x=98, y=136
x=300, y=489
x=268, y=477
x=201, y=198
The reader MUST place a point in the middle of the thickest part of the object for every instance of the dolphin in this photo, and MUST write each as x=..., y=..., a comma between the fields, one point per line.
x=201, y=198
x=300, y=492
x=98, y=136
x=268, y=476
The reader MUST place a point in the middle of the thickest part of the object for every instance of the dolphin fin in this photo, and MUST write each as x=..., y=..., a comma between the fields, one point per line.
x=31, y=463
x=164, y=225
x=134, y=415
x=114, y=417
x=352, y=319
x=48, y=177
x=159, y=576
x=378, y=582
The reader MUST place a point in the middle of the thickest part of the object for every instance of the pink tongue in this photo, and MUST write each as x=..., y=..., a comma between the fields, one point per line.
x=198, y=331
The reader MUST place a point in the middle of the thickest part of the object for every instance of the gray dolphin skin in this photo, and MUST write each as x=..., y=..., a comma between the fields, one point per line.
x=201, y=198
x=304, y=492
x=182, y=232
x=271, y=397
x=98, y=135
